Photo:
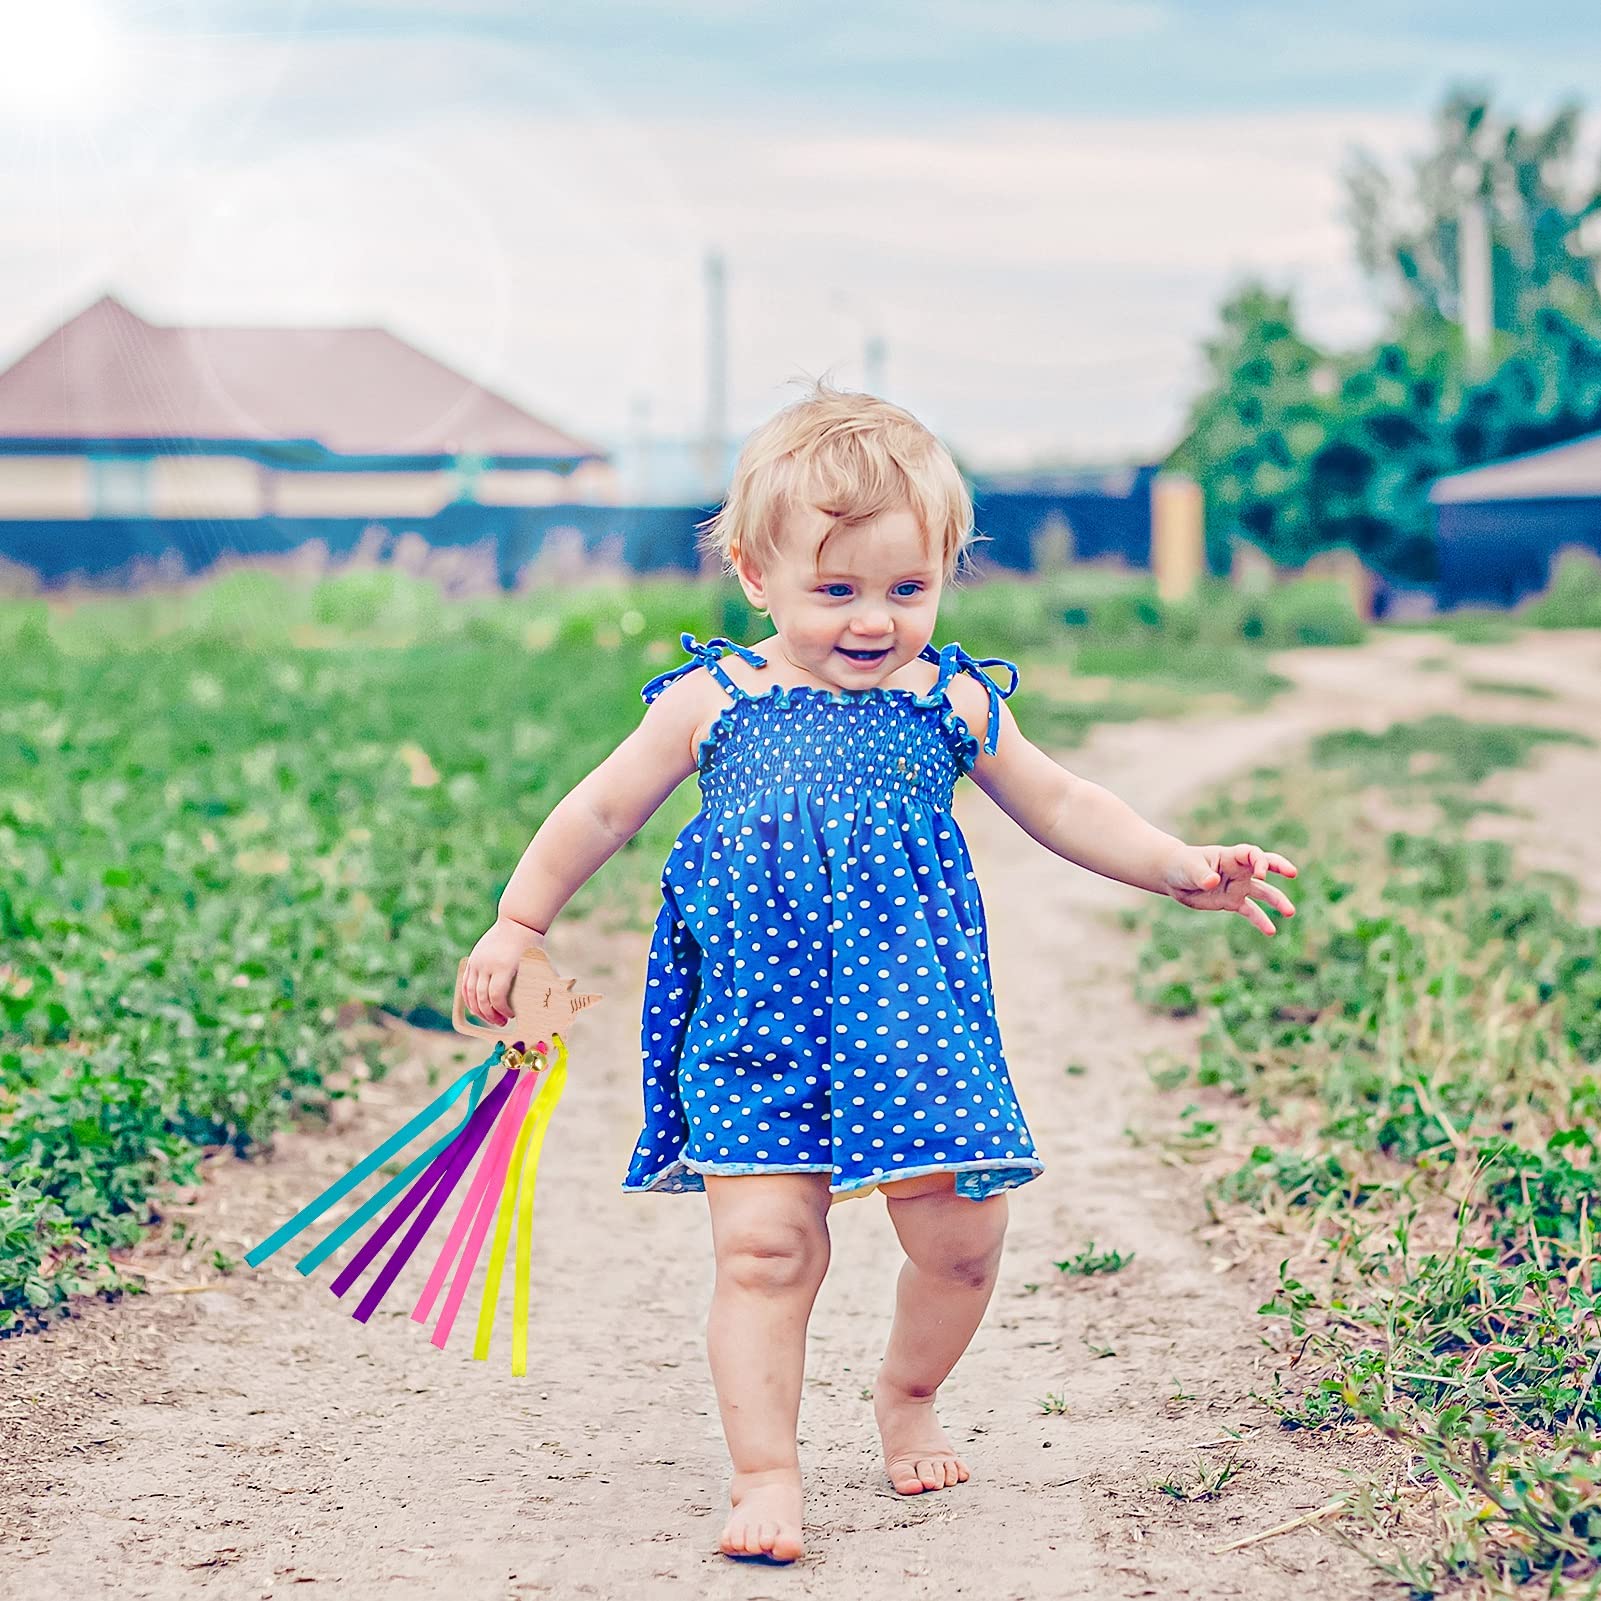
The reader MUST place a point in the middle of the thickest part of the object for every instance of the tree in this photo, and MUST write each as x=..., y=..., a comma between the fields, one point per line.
x=1536, y=204
x=1258, y=421
x=1300, y=451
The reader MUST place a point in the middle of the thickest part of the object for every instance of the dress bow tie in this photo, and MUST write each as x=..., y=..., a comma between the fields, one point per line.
x=953, y=659
x=706, y=656
x=719, y=647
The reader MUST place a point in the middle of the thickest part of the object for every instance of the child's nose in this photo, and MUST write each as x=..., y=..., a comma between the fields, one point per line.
x=873, y=624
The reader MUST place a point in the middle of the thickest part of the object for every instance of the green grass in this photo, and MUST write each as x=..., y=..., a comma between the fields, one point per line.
x=236, y=815
x=211, y=855
x=1407, y=1077
x=1435, y=750
x=1502, y=686
x=1474, y=626
x=1089, y=1261
x=1204, y=1481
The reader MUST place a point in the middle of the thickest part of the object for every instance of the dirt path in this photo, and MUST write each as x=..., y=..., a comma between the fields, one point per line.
x=253, y=1437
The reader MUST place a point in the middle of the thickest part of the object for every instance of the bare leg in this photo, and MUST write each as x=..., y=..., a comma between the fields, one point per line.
x=953, y=1251
x=770, y=1234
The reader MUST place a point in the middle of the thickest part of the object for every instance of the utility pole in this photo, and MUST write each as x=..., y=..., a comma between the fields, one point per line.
x=639, y=491
x=875, y=353
x=1474, y=273
x=714, y=441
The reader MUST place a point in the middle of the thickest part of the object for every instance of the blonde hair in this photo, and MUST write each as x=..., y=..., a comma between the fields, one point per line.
x=850, y=456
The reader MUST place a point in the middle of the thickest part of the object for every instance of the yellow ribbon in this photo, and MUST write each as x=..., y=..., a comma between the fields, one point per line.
x=519, y=1188
x=549, y=1096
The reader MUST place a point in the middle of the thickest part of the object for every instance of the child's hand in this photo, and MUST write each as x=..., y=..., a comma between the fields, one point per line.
x=1225, y=878
x=492, y=968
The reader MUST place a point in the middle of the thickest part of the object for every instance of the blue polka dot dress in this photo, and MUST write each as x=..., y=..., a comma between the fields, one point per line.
x=818, y=993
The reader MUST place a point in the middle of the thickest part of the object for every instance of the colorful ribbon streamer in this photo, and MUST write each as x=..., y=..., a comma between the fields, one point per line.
x=508, y=1125
x=524, y=1159
x=430, y=1192
x=477, y=1212
x=312, y=1210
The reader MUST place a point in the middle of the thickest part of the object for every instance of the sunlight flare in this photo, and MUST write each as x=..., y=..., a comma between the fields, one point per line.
x=56, y=61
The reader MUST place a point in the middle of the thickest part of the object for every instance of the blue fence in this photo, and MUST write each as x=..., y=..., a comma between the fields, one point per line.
x=1103, y=524
x=653, y=538
x=650, y=538
x=1489, y=553
x=1494, y=553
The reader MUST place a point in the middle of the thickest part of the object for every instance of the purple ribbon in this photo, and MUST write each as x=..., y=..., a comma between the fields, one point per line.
x=441, y=1177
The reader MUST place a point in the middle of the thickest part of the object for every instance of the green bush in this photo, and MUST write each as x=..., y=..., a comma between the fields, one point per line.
x=1003, y=618
x=1573, y=599
x=1310, y=611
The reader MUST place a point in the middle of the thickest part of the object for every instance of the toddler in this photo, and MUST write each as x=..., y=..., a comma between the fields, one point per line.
x=818, y=1017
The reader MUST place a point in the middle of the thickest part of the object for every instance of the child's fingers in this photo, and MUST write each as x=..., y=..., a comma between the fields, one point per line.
x=497, y=984
x=1254, y=915
x=1273, y=895
x=1194, y=872
x=480, y=997
x=1281, y=865
x=1249, y=857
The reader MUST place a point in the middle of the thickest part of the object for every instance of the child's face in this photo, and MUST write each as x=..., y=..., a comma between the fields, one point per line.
x=858, y=609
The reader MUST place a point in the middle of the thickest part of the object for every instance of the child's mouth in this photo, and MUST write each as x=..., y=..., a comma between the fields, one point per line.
x=865, y=658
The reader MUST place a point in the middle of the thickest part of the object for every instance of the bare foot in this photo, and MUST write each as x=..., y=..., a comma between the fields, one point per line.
x=918, y=1454
x=766, y=1520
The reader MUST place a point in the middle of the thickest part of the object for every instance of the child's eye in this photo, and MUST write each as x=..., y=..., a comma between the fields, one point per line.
x=904, y=591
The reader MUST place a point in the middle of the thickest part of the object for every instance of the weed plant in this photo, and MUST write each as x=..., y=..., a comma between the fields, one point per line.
x=1414, y=1059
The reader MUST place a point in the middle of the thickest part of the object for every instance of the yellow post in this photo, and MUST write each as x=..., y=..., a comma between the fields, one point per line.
x=1178, y=534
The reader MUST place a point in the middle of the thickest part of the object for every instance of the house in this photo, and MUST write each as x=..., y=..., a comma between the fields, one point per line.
x=121, y=437
x=1498, y=528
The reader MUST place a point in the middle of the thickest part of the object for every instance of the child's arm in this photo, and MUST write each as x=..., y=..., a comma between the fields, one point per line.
x=590, y=823
x=1086, y=824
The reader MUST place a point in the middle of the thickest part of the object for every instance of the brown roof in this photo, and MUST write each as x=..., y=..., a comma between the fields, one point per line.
x=109, y=374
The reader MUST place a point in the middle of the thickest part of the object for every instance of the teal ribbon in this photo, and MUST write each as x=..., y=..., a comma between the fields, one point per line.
x=473, y=1079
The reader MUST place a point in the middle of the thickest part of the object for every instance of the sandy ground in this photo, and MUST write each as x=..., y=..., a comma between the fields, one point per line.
x=253, y=1437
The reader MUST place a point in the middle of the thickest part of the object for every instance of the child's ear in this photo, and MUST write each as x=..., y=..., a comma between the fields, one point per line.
x=750, y=580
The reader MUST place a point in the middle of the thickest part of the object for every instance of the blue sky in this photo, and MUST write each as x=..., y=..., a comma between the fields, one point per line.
x=911, y=57
x=1037, y=204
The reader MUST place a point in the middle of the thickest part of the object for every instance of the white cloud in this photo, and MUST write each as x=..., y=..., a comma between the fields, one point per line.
x=1042, y=282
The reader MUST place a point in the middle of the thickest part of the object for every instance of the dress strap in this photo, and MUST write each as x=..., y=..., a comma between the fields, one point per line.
x=704, y=656
x=953, y=659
